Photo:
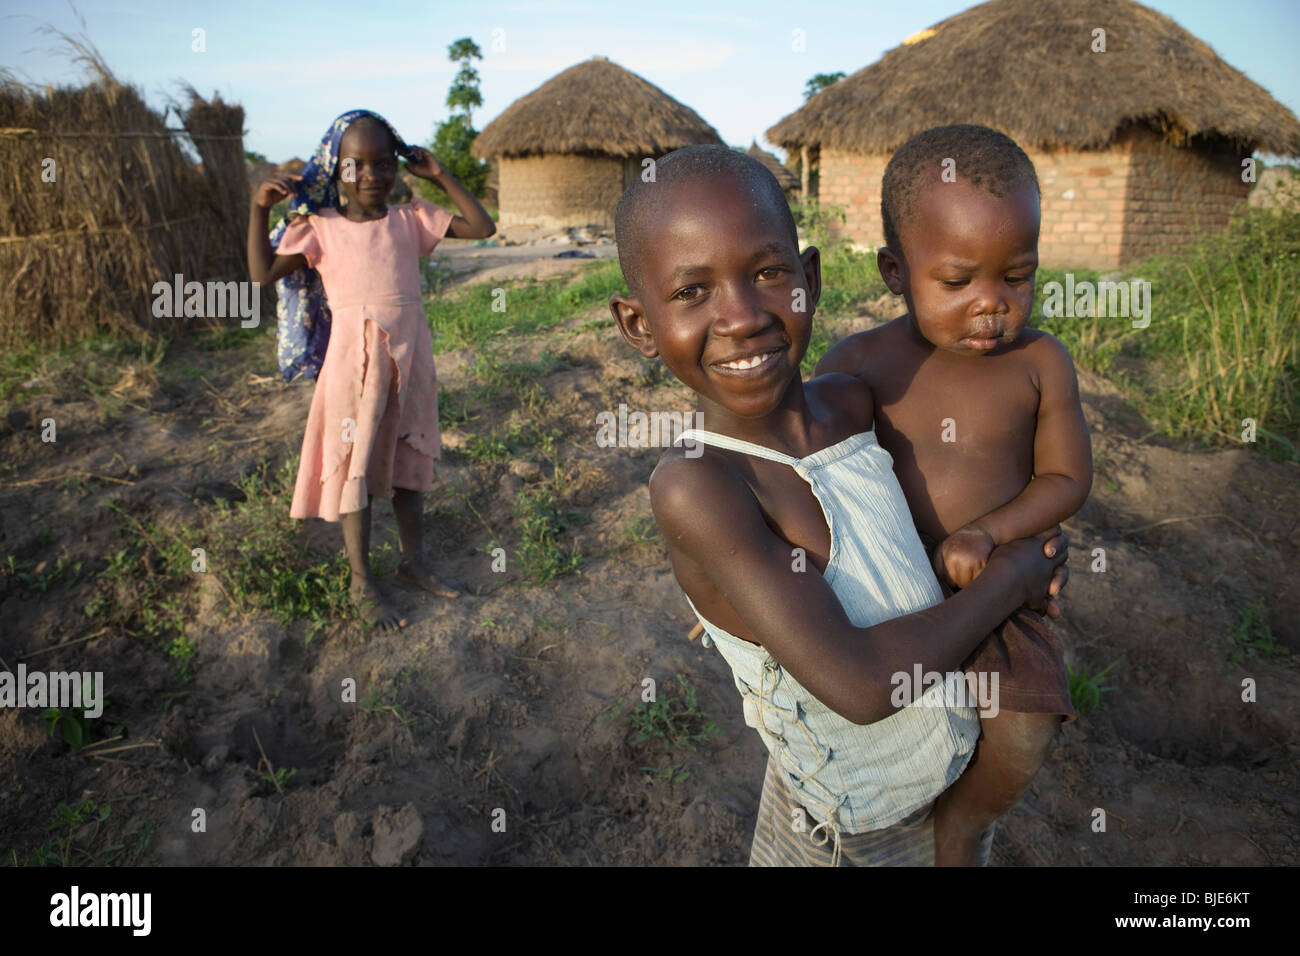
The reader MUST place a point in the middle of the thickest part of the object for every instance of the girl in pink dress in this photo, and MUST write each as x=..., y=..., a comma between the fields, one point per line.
x=373, y=424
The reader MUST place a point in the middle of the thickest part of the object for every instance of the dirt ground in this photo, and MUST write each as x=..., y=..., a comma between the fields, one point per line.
x=500, y=701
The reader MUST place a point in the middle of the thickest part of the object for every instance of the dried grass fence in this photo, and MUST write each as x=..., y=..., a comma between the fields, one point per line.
x=126, y=208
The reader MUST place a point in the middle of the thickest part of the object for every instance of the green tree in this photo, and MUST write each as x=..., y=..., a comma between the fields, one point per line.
x=464, y=94
x=453, y=137
x=819, y=83
x=451, y=143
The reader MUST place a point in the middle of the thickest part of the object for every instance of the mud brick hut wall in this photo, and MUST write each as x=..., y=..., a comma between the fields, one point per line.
x=1102, y=209
x=556, y=192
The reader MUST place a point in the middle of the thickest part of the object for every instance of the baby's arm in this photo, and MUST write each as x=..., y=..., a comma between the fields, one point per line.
x=716, y=533
x=1062, y=472
x=473, y=221
x=264, y=266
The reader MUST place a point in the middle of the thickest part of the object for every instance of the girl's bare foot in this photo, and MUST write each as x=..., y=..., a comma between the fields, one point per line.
x=408, y=572
x=374, y=610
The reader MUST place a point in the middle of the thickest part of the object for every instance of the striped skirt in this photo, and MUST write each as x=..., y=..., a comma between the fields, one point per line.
x=778, y=841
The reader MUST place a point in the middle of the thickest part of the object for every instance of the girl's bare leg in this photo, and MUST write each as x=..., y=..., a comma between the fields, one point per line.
x=375, y=610
x=408, y=506
x=1011, y=749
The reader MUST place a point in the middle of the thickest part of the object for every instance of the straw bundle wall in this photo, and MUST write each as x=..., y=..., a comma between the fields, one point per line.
x=126, y=208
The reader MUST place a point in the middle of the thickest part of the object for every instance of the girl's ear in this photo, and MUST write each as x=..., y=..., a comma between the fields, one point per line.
x=891, y=269
x=812, y=274
x=629, y=316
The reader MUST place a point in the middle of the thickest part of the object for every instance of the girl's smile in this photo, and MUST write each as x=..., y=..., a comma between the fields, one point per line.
x=753, y=364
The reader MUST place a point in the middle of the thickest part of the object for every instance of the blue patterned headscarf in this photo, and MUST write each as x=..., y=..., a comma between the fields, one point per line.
x=301, y=309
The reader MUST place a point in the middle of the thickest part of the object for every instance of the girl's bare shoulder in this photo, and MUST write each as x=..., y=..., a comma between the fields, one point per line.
x=686, y=480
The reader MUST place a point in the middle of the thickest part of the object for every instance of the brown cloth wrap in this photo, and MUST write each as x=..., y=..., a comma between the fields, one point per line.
x=1029, y=659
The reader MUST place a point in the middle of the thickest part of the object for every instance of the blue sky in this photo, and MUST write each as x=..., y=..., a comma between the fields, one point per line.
x=732, y=62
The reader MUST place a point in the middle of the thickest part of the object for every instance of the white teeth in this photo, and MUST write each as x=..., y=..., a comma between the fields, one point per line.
x=751, y=362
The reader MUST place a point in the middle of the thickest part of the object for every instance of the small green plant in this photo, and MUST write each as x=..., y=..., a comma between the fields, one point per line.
x=452, y=410
x=75, y=830
x=40, y=576
x=542, y=524
x=670, y=719
x=487, y=448
x=642, y=530
x=280, y=778
x=183, y=652
x=1253, y=637
x=96, y=608
x=377, y=703
x=1086, y=689
x=72, y=724
x=59, y=850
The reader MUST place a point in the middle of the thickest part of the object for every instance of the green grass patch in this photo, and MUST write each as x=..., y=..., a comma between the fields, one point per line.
x=477, y=315
x=453, y=410
x=1222, y=344
x=259, y=559
x=673, y=719
x=1253, y=638
x=641, y=530
x=495, y=377
x=77, y=838
x=40, y=576
x=94, y=361
x=503, y=444
x=542, y=523
x=253, y=550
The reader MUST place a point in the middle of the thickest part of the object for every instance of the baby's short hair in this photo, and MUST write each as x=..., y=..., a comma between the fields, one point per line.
x=982, y=157
x=684, y=165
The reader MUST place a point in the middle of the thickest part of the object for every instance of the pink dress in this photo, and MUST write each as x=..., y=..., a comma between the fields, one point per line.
x=373, y=424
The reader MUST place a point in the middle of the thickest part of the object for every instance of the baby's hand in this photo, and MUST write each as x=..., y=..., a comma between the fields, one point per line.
x=274, y=189
x=962, y=556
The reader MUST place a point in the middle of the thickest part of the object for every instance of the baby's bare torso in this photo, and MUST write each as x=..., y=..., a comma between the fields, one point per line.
x=961, y=428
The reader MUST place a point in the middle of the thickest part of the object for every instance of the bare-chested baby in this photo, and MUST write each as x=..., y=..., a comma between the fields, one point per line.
x=982, y=418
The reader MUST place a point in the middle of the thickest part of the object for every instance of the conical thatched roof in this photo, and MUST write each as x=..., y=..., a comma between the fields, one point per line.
x=1027, y=67
x=595, y=107
x=787, y=179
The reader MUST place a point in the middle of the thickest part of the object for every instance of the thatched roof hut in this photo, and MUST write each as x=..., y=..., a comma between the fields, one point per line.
x=788, y=180
x=567, y=150
x=1140, y=127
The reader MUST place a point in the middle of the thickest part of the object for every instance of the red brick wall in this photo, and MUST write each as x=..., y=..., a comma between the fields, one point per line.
x=1101, y=208
x=1177, y=195
x=1083, y=197
x=852, y=182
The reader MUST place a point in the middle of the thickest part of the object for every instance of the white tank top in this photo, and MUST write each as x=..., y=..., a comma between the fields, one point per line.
x=853, y=777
